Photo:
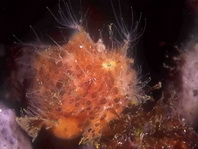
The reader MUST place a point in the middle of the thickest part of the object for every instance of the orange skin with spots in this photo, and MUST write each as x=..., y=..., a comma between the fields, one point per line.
x=81, y=86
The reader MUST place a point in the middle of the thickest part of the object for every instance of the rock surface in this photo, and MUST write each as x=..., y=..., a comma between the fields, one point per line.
x=11, y=136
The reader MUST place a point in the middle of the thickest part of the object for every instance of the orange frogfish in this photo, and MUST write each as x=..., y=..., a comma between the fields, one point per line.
x=78, y=88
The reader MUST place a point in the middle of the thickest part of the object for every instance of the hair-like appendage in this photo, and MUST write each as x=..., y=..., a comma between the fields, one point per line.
x=80, y=86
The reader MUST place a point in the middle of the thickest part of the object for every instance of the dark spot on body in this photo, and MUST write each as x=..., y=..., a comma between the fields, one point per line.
x=195, y=92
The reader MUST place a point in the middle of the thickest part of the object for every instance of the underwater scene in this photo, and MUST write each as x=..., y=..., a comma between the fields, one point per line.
x=99, y=74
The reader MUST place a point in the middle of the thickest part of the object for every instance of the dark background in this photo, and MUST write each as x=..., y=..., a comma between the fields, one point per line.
x=167, y=24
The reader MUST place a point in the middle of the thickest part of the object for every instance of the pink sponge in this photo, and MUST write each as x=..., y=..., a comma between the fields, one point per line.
x=188, y=98
x=11, y=136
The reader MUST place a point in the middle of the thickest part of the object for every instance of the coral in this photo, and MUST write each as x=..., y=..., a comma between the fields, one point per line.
x=156, y=128
x=11, y=135
x=185, y=86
